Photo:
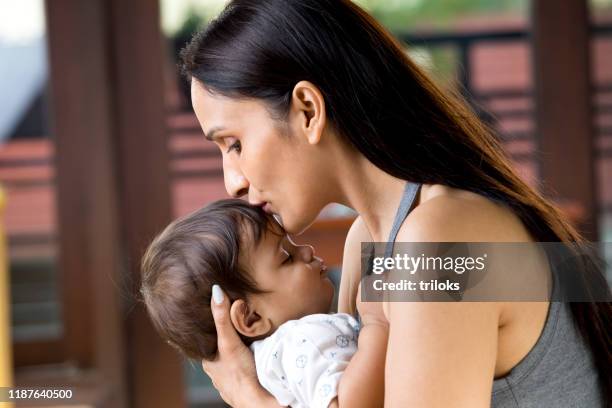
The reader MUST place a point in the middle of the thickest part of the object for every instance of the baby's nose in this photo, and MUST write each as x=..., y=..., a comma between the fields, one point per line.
x=307, y=252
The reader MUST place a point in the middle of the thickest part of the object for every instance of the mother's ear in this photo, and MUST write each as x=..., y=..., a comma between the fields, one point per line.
x=247, y=321
x=308, y=111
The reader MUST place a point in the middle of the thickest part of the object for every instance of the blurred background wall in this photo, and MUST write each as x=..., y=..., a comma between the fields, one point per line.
x=100, y=148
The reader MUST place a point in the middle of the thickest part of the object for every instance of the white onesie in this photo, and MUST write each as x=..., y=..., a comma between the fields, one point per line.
x=302, y=361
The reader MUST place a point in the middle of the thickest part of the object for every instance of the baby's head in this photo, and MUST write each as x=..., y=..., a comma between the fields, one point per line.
x=268, y=279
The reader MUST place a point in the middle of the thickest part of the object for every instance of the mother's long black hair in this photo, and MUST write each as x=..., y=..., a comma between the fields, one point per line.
x=385, y=106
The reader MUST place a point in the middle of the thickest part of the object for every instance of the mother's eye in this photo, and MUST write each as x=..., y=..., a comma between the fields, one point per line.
x=235, y=146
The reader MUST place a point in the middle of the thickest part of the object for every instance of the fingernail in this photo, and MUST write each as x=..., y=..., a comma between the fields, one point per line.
x=217, y=294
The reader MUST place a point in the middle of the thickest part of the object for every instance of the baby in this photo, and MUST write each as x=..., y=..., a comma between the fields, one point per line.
x=280, y=297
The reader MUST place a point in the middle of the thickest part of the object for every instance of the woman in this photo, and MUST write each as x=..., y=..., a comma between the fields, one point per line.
x=313, y=102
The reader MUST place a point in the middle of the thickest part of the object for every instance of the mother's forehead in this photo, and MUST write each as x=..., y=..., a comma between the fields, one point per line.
x=205, y=96
x=214, y=111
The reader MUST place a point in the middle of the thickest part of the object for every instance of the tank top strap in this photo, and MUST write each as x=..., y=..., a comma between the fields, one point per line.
x=405, y=206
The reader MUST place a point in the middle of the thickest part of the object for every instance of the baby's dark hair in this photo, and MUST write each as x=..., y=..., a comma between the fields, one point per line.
x=183, y=262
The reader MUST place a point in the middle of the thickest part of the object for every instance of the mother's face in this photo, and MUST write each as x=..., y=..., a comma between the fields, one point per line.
x=283, y=166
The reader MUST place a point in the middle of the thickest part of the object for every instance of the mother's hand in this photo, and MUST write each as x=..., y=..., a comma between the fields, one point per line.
x=233, y=370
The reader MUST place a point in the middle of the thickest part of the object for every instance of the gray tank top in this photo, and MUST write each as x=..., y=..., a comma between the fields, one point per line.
x=558, y=372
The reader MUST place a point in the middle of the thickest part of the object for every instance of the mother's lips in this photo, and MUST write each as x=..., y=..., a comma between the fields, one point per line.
x=267, y=208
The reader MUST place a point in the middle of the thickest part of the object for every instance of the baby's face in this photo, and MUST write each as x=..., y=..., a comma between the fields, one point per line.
x=296, y=279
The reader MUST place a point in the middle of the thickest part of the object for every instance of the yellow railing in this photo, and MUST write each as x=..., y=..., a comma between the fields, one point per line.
x=6, y=355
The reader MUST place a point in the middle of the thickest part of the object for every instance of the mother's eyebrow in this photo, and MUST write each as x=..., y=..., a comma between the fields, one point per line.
x=211, y=133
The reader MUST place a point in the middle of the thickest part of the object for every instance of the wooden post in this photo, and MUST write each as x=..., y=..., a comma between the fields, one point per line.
x=155, y=369
x=561, y=60
x=87, y=193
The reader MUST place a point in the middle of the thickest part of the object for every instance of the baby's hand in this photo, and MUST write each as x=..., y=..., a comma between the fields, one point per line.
x=371, y=312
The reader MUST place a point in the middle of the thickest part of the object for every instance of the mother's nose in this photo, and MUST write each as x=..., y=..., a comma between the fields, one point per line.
x=236, y=184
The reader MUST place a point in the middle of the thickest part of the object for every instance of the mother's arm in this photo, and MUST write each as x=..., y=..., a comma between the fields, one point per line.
x=443, y=354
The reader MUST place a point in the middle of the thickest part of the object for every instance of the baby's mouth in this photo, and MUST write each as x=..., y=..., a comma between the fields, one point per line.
x=317, y=263
x=323, y=268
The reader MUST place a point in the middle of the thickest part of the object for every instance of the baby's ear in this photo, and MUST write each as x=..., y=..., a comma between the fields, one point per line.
x=246, y=320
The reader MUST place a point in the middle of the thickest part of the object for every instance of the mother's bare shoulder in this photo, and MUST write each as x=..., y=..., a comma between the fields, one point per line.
x=456, y=215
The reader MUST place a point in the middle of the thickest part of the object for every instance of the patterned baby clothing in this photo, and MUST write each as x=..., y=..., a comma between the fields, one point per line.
x=301, y=363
